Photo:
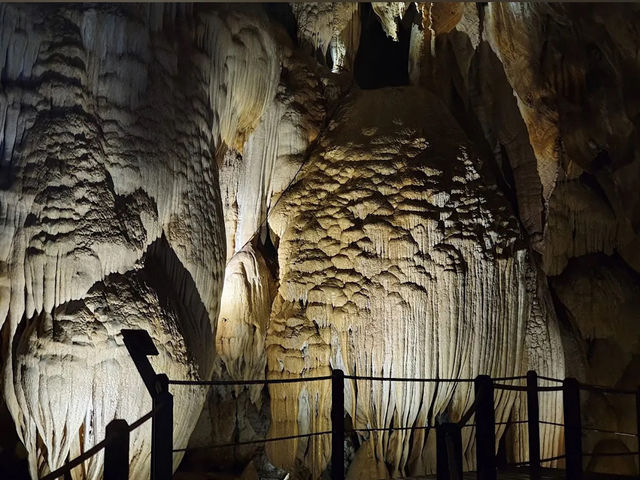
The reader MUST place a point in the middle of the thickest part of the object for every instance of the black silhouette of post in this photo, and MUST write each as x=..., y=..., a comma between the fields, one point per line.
x=485, y=429
x=533, y=424
x=572, y=428
x=638, y=425
x=448, y=451
x=116, y=453
x=162, y=431
x=337, y=425
x=140, y=345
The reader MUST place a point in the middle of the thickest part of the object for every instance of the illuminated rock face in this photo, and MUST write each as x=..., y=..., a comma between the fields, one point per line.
x=555, y=110
x=111, y=210
x=397, y=258
x=143, y=148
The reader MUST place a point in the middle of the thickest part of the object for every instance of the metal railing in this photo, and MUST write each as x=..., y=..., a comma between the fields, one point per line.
x=448, y=434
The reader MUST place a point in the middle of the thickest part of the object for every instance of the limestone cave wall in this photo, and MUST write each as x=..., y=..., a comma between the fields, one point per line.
x=270, y=190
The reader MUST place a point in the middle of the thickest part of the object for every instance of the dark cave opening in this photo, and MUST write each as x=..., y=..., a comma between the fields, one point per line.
x=381, y=61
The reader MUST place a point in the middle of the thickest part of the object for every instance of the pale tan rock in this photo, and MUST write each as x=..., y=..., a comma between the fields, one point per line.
x=245, y=308
x=380, y=242
x=333, y=28
x=109, y=133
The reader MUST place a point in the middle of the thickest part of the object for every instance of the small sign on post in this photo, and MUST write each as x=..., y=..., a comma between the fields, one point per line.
x=162, y=431
x=140, y=346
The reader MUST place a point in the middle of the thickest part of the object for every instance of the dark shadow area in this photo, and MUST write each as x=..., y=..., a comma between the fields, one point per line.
x=282, y=14
x=13, y=461
x=177, y=292
x=381, y=61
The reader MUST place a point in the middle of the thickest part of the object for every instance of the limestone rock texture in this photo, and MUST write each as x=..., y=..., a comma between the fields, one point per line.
x=543, y=89
x=406, y=189
x=396, y=259
x=111, y=209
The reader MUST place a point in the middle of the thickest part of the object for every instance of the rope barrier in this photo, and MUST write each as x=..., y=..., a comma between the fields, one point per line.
x=549, y=379
x=516, y=422
x=76, y=461
x=92, y=451
x=248, y=382
x=255, y=442
x=389, y=429
x=404, y=379
x=467, y=415
x=518, y=388
x=549, y=389
x=603, y=389
x=551, y=459
x=551, y=423
x=140, y=421
x=522, y=388
x=624, y=434
x=616, y=454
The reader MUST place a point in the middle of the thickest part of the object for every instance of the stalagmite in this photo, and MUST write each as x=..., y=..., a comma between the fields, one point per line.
x=244, y=315
x=396, y=259
x=241, y=182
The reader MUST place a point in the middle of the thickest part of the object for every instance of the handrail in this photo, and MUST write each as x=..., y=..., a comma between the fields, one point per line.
x=92, y=451
x=266, y=381
x=255, y=442
x=448, y=441
x=603, y=389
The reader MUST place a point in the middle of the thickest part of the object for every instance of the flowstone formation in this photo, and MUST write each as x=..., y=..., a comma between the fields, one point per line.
x=111, y=210
x=399, y=259
x=479, y=217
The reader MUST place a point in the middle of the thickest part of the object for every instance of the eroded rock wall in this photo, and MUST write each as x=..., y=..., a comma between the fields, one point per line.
x=481, y=221
x=111, y=208
x=397, y=258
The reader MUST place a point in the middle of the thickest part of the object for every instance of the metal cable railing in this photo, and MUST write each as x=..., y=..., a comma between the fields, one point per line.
x=254, y=442
x=448, y=434
x=109, y=440
x=448, y=449
x=265, y=381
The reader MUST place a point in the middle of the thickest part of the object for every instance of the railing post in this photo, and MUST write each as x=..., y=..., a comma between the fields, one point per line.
x=485, y=429
x=116, y=453
x=139, y=346
x=162, y=431
x=337, y=425
x=572, y=428
x=638, y=426
x=533, y=425
x=448, y=451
